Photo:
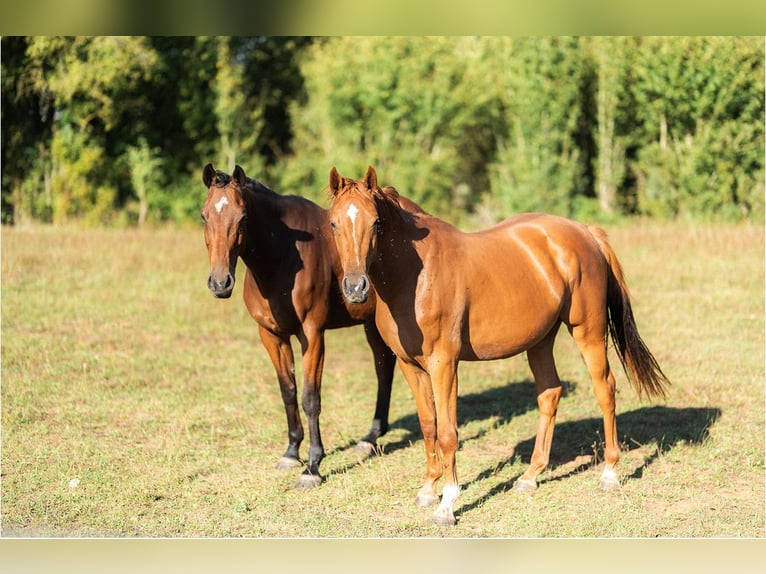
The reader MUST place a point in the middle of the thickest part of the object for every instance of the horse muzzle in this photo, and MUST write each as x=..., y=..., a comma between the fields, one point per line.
x=356, y=288
x=221, y=288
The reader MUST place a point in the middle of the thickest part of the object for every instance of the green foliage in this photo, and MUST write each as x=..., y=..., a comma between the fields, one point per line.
x=75, y=158
x=539, y=166
x=611, y=57
x=144, y=165
x=418, y=109
x=700, y=113
x=473, y=128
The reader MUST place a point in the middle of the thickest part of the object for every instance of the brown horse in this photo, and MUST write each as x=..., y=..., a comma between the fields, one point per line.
x=292, y=288
x=445, y=296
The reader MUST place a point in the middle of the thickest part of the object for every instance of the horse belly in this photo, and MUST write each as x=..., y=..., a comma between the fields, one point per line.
x=499, y=338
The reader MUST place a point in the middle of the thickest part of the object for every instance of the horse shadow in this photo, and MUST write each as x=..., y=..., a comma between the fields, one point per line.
x=665, y=426
x=500, y=403
x=661, y=425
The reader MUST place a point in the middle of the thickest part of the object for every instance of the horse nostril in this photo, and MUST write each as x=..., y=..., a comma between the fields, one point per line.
x=229, y=281
x=363, y=284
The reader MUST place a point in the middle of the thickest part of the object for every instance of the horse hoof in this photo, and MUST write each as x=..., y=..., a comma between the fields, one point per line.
x=308, y=481
x=523, y=485
x=365, y=448
x=286, y=463
x=443, y=519
x=426, y=500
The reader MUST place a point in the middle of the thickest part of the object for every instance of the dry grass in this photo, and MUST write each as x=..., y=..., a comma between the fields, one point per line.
x=135, y=404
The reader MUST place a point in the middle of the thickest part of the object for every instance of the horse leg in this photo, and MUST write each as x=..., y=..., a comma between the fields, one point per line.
x=548, y=388
x=281, y=354
x=420, y=384
x=385, y=361
x=443, y=371
x=593, y=349
x=312, y=344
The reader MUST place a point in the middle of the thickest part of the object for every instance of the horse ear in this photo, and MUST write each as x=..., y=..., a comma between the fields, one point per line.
x=371, y=179
x=239, y=176
x=335, y=181
x=208, y=174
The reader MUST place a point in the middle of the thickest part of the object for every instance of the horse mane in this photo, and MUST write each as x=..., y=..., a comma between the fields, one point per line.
x=391, y=205
x=387, y=200
x=267, y=200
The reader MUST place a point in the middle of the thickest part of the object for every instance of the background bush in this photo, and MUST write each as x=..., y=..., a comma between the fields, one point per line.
x=116, y=130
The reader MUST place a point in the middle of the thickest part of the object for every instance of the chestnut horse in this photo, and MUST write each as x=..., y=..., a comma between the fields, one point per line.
x=292, y=288
x=444, y=296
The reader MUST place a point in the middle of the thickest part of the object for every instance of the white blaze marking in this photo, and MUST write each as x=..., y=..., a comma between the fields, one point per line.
x=219, y=205
x=352, y=211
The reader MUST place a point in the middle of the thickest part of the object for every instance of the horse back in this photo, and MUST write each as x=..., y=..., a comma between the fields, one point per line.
x=508, y=286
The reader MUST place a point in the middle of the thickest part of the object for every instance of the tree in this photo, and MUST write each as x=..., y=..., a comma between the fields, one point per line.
x=472, y=128
x=419, y=109
x=612, y=60
x=540, y=165
x=700, y=105
x=83, y=86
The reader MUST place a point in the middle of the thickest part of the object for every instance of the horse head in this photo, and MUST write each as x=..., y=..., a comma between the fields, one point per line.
x=224, y=215
x=356, y=226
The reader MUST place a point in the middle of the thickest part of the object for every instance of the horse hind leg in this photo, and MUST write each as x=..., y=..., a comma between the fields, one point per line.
x=593, y=348
x=385, y=363
x=549, y=390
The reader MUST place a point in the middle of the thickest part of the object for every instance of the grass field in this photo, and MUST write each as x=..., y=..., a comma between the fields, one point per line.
x=136, y=404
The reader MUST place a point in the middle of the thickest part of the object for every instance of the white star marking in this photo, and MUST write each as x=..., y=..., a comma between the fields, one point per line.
x=220, y=204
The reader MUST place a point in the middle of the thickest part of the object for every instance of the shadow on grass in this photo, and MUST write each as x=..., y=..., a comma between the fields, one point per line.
x=505, y=402
x=502, y=403
x=663, y=426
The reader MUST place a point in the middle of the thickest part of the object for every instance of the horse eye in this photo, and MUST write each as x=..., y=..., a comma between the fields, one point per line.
x=378, y=226
x=333, y=225
x=204, y=219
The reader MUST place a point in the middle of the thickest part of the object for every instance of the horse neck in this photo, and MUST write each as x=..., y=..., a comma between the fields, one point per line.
x=396, y=245
x=263, y=209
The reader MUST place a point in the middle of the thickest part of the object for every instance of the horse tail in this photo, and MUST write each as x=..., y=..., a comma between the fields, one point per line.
x=639, y=364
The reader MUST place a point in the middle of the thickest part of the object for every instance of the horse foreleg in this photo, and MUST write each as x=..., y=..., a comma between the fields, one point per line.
x=281, y=354
x=420, y=384
x=385, y=361
x=443, y=371
x=312, y=344
x=549, y=390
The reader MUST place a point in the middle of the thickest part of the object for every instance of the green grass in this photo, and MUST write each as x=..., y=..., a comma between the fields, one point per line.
x=121, y=372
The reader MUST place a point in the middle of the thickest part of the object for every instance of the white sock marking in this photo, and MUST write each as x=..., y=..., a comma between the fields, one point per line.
x=449, y=496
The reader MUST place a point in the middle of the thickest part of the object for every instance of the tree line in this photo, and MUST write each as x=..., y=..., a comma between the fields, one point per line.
x=115, y=130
